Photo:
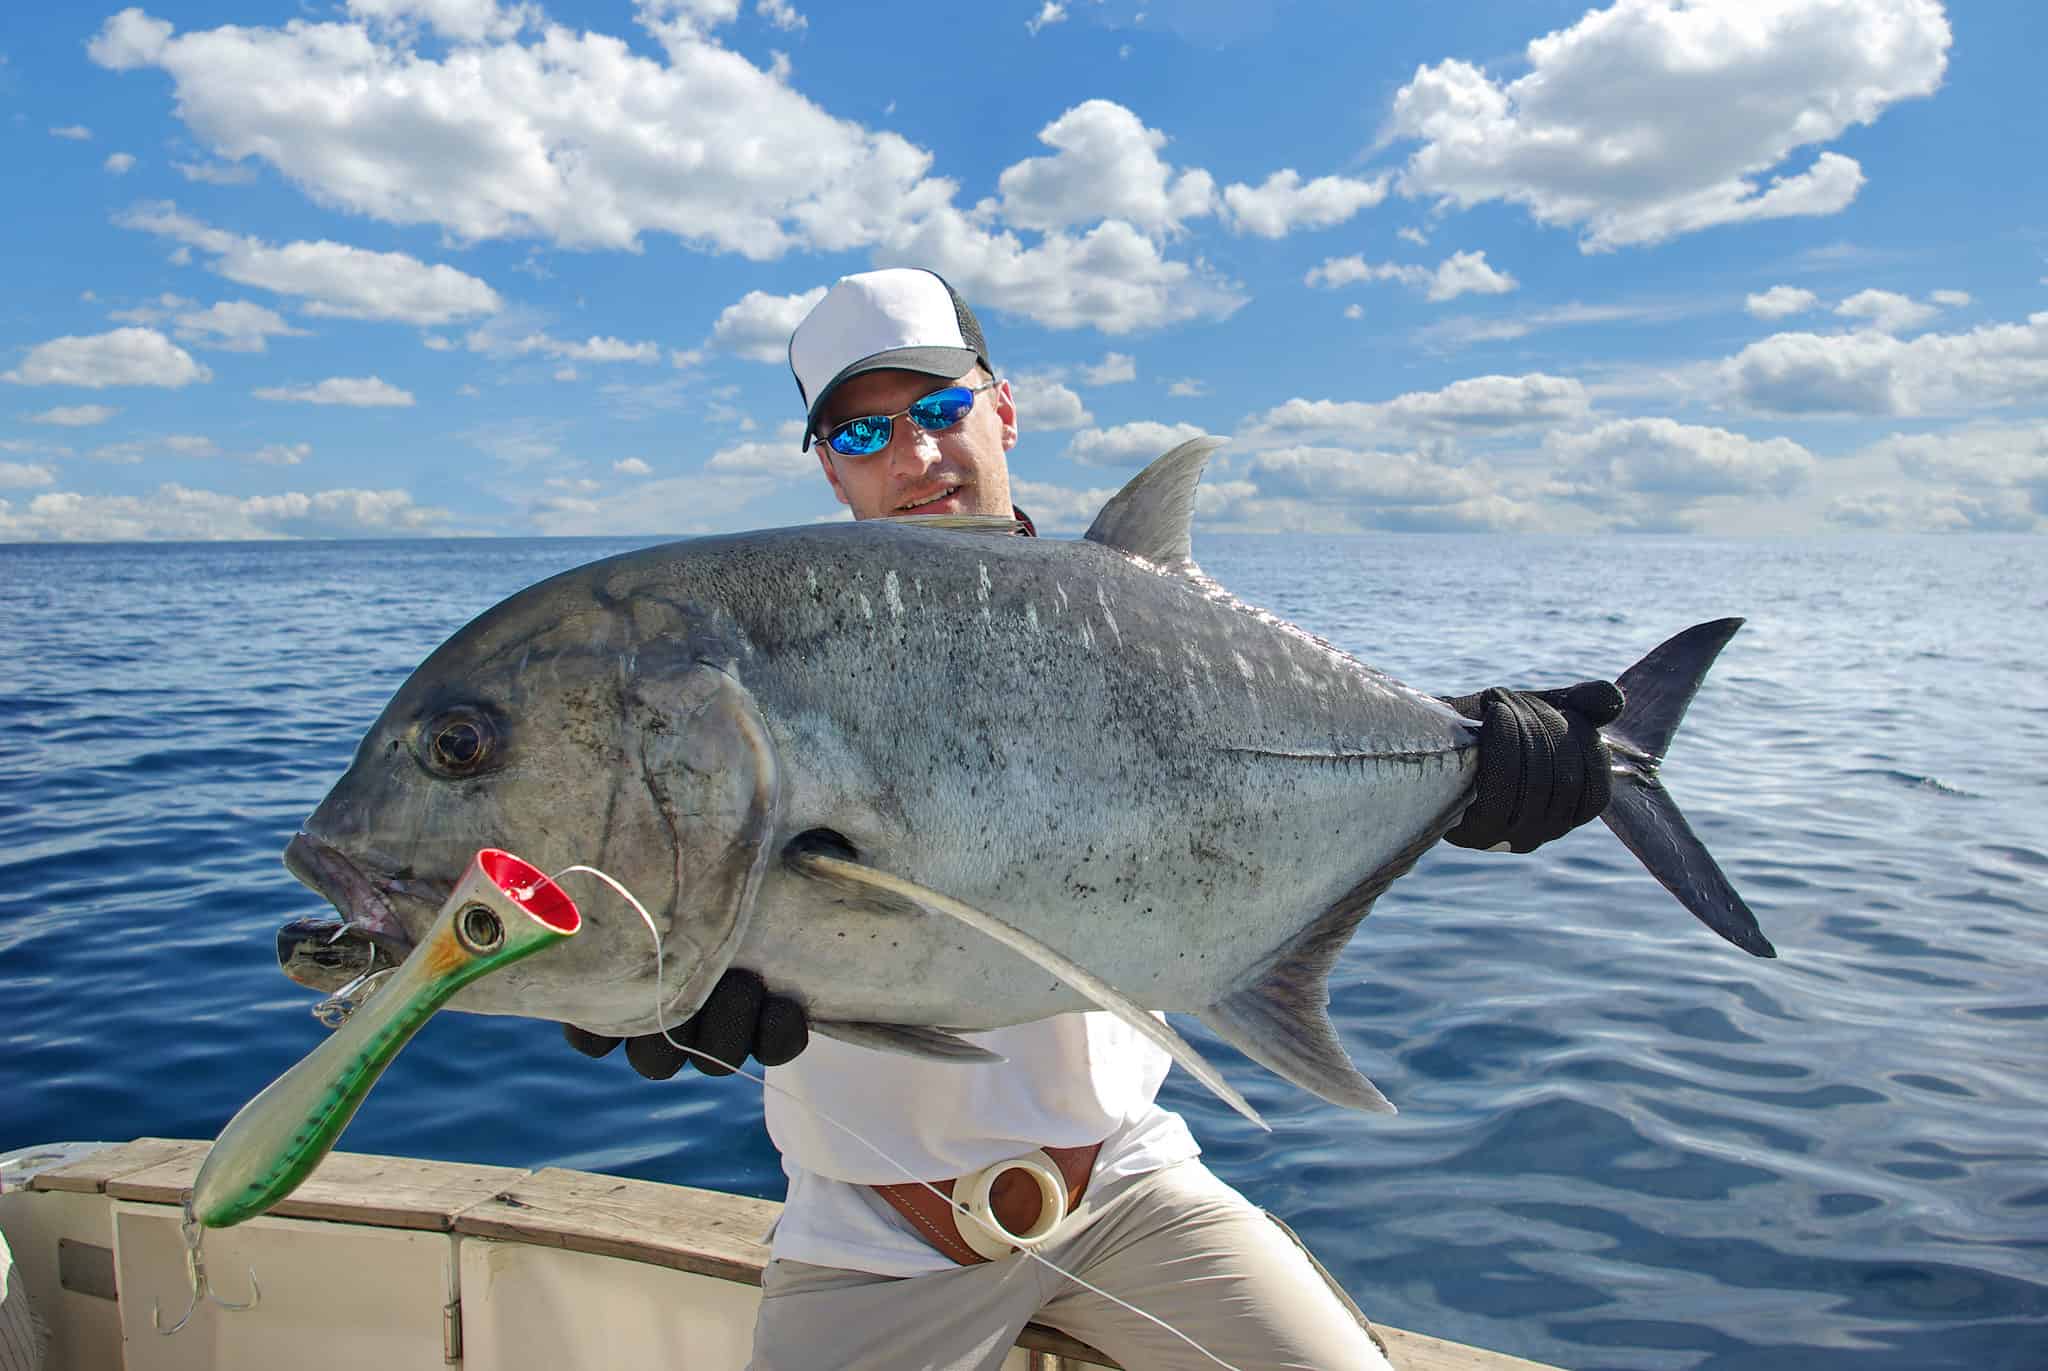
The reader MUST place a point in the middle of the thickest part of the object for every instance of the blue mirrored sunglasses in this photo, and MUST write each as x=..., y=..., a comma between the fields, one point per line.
x=934, y=413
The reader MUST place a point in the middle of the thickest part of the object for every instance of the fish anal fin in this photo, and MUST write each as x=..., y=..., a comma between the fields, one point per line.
x=910, y=1039
x=842, y=871
x=1281, y=1018
x=1283, y=1024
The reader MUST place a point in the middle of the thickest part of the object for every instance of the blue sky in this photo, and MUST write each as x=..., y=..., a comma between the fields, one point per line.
x=393, y=267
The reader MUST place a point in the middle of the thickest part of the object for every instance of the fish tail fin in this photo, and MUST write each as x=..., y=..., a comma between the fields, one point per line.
x=1642, y=813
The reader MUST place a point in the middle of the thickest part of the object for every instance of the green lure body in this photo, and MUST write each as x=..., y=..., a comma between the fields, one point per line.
x=502, y=911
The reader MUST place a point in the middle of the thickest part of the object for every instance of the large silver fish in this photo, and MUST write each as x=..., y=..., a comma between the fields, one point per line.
x=928, y=779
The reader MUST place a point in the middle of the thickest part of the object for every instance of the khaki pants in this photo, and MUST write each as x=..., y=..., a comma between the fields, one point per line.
x=1178, y=1243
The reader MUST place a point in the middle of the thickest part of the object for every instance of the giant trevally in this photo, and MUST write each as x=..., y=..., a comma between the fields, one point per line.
x=928, y=779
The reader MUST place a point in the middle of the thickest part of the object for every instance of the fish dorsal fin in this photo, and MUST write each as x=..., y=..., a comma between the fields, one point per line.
x=1282, y=1019
x=1150, y=516
x=909, y=1039
x=964, y=523
x=842, y=872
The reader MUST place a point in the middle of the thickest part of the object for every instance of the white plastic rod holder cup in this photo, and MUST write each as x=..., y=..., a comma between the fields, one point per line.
x=972, y=1192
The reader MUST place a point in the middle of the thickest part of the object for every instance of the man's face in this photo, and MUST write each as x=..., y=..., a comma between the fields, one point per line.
x=960, y=471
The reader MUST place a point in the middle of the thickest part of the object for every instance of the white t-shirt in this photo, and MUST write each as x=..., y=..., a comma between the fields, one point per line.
x=1070, y=1080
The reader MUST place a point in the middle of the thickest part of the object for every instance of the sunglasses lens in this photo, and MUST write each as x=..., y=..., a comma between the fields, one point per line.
x=859, y=437
x=942, y=408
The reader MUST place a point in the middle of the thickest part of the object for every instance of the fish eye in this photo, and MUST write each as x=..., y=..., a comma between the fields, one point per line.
x=457, y=742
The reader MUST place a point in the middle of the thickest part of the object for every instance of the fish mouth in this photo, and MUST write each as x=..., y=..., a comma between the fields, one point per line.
x=368, y=926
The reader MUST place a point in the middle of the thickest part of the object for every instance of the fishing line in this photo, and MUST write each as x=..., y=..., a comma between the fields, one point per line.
x=959, y=1210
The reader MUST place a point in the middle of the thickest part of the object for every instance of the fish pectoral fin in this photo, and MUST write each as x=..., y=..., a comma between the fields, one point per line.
x=910, y=1039
x=840, y=870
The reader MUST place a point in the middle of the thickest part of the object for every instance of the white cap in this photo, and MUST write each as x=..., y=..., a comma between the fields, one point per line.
x=899, y=319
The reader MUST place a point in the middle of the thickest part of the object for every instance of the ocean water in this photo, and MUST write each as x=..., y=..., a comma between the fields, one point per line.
x=1623, y=1143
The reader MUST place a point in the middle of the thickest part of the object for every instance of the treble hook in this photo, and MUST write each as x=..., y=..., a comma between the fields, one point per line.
x=195, y=1271
x=334, y=1011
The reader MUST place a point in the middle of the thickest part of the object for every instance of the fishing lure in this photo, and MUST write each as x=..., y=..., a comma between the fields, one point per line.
x=502, y=910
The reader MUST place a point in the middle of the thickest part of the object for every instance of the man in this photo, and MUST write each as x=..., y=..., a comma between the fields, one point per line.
x=908, y=417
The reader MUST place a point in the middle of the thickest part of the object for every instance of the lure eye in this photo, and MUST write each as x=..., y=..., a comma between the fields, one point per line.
x=457, y=743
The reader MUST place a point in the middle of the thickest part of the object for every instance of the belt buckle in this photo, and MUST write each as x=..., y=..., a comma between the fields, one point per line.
x=971, y=1192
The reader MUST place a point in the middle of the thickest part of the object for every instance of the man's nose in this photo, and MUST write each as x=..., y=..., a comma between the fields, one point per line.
x=911, y=448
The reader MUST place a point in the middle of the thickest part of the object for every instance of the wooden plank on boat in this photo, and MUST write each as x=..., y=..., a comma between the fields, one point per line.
x=347, y=1187
x=90, y=1174
x=1421, y=1352
x=703, y=1231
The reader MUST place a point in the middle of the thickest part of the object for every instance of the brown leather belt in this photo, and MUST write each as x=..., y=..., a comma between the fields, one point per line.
x=1014, y=1198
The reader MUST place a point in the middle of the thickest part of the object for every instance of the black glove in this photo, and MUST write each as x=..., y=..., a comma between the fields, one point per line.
x=1543, y=766
x=740, y=1018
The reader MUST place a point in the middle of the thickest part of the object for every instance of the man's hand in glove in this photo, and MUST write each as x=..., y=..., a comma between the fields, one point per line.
x=1543, y=766
x=740, y=1019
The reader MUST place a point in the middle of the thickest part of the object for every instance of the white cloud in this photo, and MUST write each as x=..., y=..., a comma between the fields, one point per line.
x=216, y=173
x=124, y=357
x=361, y=392
x=75, y=416
x=234, y=326
x=1886, y=311
x=758, y=326
x=1462, y=273
x=1985, y=456
x=782, y=460
x=675, y=505
x=1466, y=273
x=192, y=445
x=1111, y=278
x=152, y=311
x=1873, y=374
x=1780, y=302
x=1663, y=457
x=1129, y=445
x=1051, y=12
x=1060, y=508
x=1477, y=404
x=120, y=163
x=1604, y=131
x=24, y=476
x=77, y=133
x=1950, y=299
x=177, y=512
x=1115, y=367
x=119, y=454
x=781, y=14
x=1188, y=387
x=465, y=21
x=570, y=136
x=498, y=339
x=632, y=466
x=2004, y=511
x=1044, y=403
x=565, y=373
x=1384, y=478
x=1106, y=166
x=1284, y=203
x=333, y=278
x=1414, y=235
x=1354, y=311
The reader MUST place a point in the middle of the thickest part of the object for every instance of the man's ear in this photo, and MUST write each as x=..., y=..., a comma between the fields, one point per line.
x=831, y=475
x=1006, y=411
